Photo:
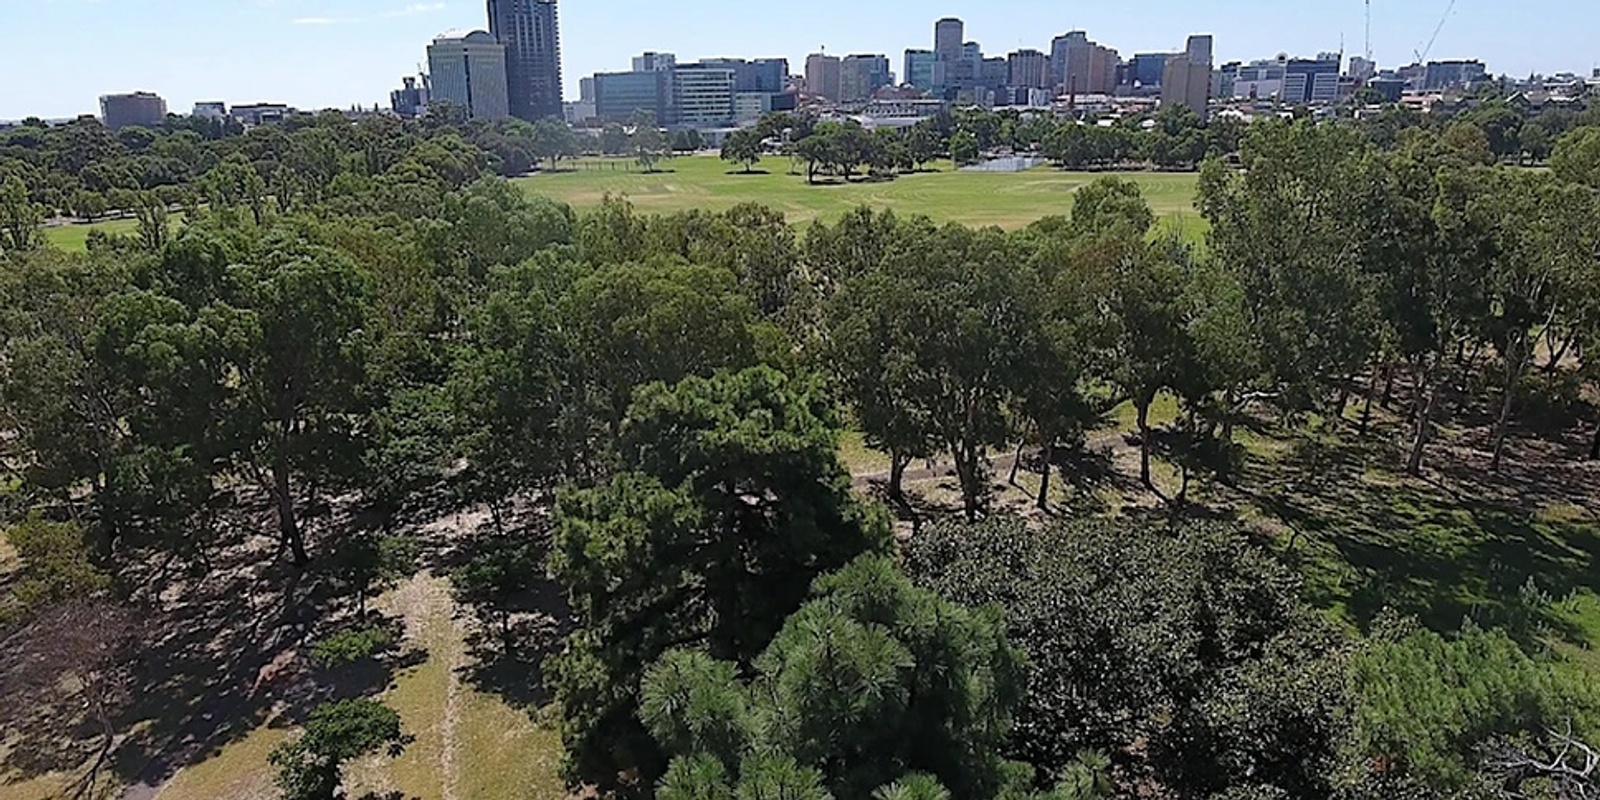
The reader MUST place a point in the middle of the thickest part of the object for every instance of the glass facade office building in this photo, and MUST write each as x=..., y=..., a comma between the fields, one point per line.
x=530, y=31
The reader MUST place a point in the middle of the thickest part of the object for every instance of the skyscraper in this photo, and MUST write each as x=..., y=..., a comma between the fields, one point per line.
x=530, y=30
x=994, y=73
x=769, y=75
x=861, y=75
x=1186, y=78
x=652, y=61
x=919, y=69
x=1065, y=51
x=1452, y=74
x=703, y=95
x=469, y=72
x=1311, y=80
x=1148, y=68
x=822, y=76
x=1103, y=63
x=948, y=35
x=620, y=95
x=950, y=67
x=1081, y=66
x=1029, y=69
x=409, y=101
x=1199, y=49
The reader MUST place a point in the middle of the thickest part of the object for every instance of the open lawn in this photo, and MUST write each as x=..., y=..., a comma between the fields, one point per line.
x=75, y=238
x=1009, y=200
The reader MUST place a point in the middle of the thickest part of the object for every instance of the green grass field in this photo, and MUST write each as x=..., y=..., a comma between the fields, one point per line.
x=75, y=238
x=1009, y=200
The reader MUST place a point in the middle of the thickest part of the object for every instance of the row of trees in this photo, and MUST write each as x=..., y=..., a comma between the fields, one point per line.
x=670, y=390
x=1171, y=138
x=1332, y=268
x=84, y=170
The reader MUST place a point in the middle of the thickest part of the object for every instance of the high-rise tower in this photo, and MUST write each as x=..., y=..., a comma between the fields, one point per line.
x=948, y=35
x=470, y=73
x=531, y=32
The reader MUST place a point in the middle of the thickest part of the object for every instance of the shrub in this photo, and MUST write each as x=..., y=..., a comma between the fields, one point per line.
x=310, y=768
x=351, y=645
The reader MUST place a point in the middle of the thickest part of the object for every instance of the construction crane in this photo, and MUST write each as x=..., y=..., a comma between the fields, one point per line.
x=1422, y=55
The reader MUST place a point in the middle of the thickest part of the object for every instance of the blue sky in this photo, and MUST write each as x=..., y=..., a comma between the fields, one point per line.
x=58, y=56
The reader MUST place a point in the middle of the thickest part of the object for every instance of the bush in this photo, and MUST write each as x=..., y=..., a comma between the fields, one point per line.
x=351, y=645
x=1184, y=653
x=56, y=564
x=310, y=768
x=1549, y=402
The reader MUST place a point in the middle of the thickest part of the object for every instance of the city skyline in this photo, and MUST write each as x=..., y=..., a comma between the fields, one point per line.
x=351, y=52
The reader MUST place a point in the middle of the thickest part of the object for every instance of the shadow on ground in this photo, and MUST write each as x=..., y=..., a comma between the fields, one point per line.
x=1459, y=543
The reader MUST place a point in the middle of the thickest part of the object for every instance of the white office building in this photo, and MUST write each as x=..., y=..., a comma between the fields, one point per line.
x=704, y=96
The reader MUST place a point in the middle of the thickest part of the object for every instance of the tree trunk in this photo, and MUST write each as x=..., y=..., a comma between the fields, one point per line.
x=1016, y=464
x=108, y=738
x=1047, y=458
x=1230, y=398
x=1594, y=445
x=105, y=498
x=1555, y=357
x=1342, y=403
x=1426, y=397
x=497, y=518
x=1372, y=391
x=1144, y=444
x=1388, y=386
x=1502, y=426
x=897, y=475
x=967, y=471
x=288, y=526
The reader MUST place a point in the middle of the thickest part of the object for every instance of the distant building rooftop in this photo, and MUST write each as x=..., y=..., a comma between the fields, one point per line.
x=474, y=37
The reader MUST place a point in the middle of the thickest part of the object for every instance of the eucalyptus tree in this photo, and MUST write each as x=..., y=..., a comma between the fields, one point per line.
x=1287, y=228
x=300, y=374
x=20, y=216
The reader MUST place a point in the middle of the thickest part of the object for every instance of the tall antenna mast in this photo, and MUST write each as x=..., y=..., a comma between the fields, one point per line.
x=1369, y=31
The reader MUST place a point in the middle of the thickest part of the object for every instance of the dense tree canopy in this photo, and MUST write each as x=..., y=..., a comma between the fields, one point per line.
x=1184, y=653
x=732, y=502
x=321, y=336
x=871, y=682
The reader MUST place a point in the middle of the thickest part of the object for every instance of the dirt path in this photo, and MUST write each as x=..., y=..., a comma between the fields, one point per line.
x=431, y=695
x=450, y=755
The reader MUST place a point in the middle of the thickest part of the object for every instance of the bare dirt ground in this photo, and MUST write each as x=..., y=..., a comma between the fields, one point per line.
x=225, y=677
